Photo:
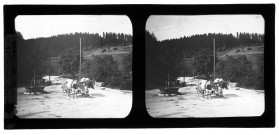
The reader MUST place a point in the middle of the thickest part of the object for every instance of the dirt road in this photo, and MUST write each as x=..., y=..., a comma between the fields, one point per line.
x=235, y=103
x=102, y=103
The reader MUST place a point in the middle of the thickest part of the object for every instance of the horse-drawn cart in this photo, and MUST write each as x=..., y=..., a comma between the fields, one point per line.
x=35, y=89
x=37, y=85
x=210, y=88
x=169, y=91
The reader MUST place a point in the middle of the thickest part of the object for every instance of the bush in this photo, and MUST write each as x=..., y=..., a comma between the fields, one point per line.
x=115, y=48
x=69, y=63
x=260, y=76
x=238, y=70
x=123, y=79
x=248, y=49
x=126, y=85
x=203, y=63
x=237, y=85
x=237, y=51
x=259, y=84
x=104, y=50
x=105, y=69
x=183, y=84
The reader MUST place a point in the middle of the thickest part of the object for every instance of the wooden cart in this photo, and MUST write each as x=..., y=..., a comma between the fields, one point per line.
x=35, y=89
x=169, y=91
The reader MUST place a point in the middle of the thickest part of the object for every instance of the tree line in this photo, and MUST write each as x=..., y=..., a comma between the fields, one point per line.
x=59, y=43
x=192, y=44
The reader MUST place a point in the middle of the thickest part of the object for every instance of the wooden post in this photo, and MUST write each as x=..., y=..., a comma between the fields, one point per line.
x=34, y=79
x=79, y=59
x=168, y=79
x=184, y=66
x=193, y=66
x=49, y=65
x=59, y=72
x=213, y=58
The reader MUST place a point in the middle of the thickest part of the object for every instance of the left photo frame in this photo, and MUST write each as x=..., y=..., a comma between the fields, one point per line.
x=72, y=66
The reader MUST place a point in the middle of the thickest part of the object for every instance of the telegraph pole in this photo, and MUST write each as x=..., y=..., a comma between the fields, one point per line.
x=49, y=66
x=59, y=66
x=168, y=79
x=213, y=58
x=193, y=66
x=34, y=79
x=184, y=66
x=79, y=59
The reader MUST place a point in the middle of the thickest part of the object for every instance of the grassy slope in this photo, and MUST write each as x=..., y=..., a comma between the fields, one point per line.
x=98, y=51
x=232, y=52
x=116, y=54
x=252, y=55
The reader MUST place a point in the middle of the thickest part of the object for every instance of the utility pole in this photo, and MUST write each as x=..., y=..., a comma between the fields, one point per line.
x=213, y=58
x=184, y=66
x=193, y=66
x=168, y=79
x=59, y=66
x=49, y=66
x=79, y=59
x=34, y=79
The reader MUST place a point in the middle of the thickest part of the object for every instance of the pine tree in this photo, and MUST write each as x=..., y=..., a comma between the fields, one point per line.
x=203, y=63
x=69, y=63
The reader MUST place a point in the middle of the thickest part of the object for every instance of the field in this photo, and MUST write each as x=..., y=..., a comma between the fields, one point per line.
x=252, y=55
x=233, y=52
x=102, y=103
x=109, y=51
x=237, y=102
x=116, y=54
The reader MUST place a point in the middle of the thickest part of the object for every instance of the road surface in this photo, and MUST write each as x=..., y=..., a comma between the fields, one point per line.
x=236, y=103
x=102, y=103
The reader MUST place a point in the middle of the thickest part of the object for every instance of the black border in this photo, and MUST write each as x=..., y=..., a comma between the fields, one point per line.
x=138, y=14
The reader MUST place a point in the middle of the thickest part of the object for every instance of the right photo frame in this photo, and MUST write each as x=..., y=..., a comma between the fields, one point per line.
x=205, y=66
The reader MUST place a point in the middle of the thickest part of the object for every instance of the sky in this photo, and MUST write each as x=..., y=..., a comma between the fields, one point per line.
x=170, y=26
x=33, y=26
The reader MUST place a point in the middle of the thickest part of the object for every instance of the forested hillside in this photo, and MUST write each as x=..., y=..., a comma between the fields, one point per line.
x=168, y=58
x=59, y=43
x=193, y=44
x=33, y=54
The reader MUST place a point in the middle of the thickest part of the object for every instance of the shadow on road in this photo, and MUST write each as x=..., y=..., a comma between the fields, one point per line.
x=91, y=95
x=30, y=114
x=167, y=115
x=34, y=93
x=57, y=83
x=179, y=93
x=97, y=95
x=168, y=95
x=191, y=84
x=227, y=96
x=47, y=92
x=84, y=96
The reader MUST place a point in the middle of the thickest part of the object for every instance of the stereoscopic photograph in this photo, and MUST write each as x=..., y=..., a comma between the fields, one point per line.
x=204, y=66
x=73, y=66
